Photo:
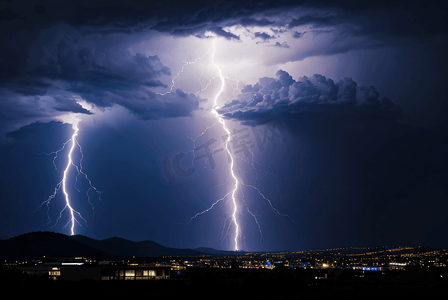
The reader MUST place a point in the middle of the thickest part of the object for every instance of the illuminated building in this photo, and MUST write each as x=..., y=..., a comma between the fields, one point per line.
x=136, y=273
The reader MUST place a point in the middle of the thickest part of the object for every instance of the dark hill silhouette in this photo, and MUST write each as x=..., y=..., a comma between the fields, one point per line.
x=35, y=245
x=123, y=247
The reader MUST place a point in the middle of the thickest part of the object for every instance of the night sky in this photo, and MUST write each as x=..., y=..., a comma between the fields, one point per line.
x=337, y=114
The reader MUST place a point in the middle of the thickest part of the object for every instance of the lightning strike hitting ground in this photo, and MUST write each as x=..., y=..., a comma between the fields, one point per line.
x=232, y=176
x=221, y=120
x=63, y=183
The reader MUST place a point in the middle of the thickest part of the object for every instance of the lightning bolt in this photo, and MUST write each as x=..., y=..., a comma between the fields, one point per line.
x=221, y=120
x=236, y=183
x=193, y=140
x=63, y=184
x=185, y=63
x=226, y=143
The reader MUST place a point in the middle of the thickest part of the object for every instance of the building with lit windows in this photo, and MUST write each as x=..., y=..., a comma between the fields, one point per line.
x=110, y=272
x=136, y=273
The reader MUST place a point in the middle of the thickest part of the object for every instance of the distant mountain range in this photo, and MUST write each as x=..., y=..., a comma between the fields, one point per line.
x=35, y=245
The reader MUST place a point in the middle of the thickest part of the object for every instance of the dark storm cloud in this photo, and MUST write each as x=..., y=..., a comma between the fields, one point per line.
x=26, y=86
x=81, y=47
x=316, y=20
x=13, y=109
x=174, y=17
x=69, y=105
x=281, y=45
x=283, y=94
x=263, y=35
x=298, y=35
x=172, y=105
x=396, y=18
x=379, y=22
x=42, y=130
x=254, y=22
x=68, y=55
x=221, y=32
x=60, y=62
x=196, y=17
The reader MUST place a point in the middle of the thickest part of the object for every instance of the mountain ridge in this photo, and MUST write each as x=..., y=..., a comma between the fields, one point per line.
x=35, y=245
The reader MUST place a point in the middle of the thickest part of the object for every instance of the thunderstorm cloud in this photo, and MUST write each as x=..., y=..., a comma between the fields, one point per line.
x=283, y=94
x=64, y=65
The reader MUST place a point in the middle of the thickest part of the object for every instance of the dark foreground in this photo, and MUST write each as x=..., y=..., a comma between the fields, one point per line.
x=206, y=288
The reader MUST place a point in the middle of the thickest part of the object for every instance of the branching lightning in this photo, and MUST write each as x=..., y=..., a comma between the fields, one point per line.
x=221, y=120
x=236, y=182
x=185, y=63
x=63, y=184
